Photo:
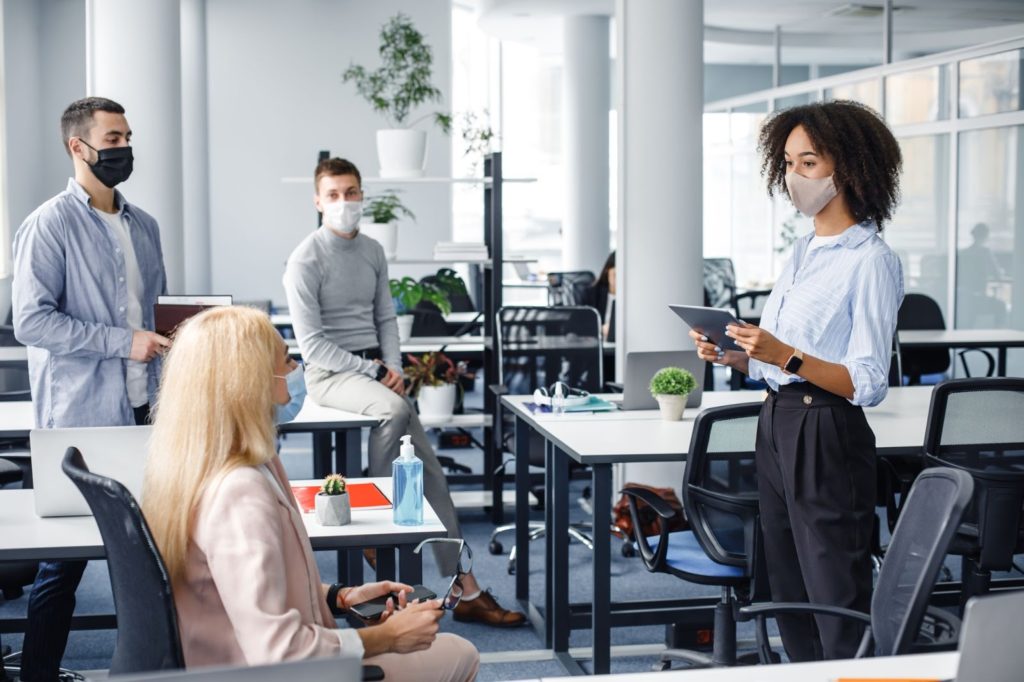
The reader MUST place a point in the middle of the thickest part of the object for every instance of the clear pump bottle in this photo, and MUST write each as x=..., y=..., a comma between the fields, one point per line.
x=407, y=479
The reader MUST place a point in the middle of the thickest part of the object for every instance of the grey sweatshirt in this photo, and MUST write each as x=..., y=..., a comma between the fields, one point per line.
x=339, y=300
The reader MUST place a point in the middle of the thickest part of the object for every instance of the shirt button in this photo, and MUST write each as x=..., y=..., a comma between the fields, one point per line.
x=120, y=279
x=121, y=309
x=117, y=250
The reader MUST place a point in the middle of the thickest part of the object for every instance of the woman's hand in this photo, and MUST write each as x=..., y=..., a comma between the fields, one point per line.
x=413, y=628
x=357, y=595
x=707, y=350
x=759, y=344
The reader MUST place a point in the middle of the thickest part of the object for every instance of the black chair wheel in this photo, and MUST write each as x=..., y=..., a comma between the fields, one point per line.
x=661, y=666
x=511, y=568
x=495, y=548
x=628, y=550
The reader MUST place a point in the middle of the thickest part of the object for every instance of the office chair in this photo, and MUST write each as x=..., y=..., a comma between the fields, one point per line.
x=724, y=546
x=537, y=347
x=569, y=288
x=976, y=426
x=921, y=312
x=899, y=604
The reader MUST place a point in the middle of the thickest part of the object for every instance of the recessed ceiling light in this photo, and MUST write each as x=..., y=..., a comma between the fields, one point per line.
x=860, y=10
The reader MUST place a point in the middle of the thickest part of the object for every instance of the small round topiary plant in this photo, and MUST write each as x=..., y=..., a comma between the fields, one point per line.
x=672, y=381
x=334, y=484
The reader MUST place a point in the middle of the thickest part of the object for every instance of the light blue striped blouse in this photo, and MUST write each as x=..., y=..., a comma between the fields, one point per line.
x=838, y=303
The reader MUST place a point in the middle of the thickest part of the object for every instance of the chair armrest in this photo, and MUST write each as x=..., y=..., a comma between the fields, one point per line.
x=498, y=389
x=660, y=506
x=772, y=608
x=654, y=560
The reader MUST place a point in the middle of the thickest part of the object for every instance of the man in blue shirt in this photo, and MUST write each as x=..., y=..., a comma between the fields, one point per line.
x=88, y=268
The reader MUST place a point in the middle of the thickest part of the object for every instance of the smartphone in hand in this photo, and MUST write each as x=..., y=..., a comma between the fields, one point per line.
x=372, y=609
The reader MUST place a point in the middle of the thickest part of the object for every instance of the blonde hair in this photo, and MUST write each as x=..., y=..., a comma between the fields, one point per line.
x=214, y=413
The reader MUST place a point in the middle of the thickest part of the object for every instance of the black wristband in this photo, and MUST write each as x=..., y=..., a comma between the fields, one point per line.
x=382, y=371
x=332, y=597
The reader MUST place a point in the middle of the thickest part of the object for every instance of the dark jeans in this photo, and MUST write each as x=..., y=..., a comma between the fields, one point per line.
x=50, y=607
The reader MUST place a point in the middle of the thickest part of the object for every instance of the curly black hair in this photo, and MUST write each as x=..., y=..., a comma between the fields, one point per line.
x=867, y=157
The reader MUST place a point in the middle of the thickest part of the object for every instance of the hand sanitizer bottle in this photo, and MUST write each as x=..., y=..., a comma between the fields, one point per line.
x=558, y=399
x=407, y=479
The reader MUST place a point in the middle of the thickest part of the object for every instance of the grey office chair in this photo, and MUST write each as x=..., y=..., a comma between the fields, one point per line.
x=923, y=534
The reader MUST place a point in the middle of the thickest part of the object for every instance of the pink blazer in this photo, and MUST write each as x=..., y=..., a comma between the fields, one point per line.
x=252, y=592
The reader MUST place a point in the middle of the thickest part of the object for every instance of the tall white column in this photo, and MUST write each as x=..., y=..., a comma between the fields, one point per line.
x=133, y=56
x=195, y=157
x=660, y=48
x=586, y=98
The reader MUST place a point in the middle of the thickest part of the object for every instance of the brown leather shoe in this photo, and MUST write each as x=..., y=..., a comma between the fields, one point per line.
x=486, y=609
x=370, y=555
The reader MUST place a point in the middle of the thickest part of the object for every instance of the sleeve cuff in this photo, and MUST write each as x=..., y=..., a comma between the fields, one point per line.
x=351, y=642
x=755, y=369
x=120, y=342
x=371, y=369
x=867, y=392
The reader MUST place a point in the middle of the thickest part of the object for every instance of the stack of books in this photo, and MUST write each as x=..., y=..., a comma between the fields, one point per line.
x=460, y=251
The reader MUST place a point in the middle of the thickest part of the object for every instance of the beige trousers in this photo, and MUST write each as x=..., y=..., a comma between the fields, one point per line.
x=449, y=659
x=355, y=392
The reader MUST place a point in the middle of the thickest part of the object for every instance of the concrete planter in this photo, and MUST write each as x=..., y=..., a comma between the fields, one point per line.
x=671, y=406
x=333, y=510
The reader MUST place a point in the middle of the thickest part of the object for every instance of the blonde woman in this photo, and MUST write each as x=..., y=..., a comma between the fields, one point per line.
x=217, y=500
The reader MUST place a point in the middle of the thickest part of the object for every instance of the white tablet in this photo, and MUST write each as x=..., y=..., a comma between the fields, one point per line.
x=710, y=322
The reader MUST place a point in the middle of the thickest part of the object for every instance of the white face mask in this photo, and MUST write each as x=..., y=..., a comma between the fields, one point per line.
x=343, y=216
x=810, y=195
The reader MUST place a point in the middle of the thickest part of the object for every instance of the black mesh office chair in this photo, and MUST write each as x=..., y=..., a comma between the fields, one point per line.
x=569, y=288
x=921, y=312
x=723, y=547
x=923, y=534
x=537, y=347
x=147, y=621
x=977, y=426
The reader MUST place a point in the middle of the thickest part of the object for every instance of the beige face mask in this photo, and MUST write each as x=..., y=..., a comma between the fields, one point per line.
x=810, y=195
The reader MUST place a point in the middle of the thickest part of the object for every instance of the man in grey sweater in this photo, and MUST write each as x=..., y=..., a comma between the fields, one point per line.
x=343, y=315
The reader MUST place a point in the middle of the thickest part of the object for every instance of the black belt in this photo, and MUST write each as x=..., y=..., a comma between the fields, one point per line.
x=802, y=394
x=369, y=353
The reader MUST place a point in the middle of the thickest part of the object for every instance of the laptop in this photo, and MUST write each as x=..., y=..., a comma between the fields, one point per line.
x=640, y=367
x=990, y=639
x=344, y=668
x=118, y=452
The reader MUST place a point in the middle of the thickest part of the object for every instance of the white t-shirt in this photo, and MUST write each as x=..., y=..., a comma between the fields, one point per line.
x=137, y=378
x=817, y=241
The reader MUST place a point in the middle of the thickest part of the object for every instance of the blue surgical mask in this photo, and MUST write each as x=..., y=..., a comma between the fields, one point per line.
x=296, y=380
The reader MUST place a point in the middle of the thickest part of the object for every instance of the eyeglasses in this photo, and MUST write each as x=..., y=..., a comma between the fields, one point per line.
x=453, y=595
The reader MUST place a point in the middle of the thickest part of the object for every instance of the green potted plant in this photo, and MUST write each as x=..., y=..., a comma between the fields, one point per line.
x=333, y=507
x=477, y=137
x=670, y=386
x=381, y=213
x=433, y=381
x=395, y=90
x=407, y=294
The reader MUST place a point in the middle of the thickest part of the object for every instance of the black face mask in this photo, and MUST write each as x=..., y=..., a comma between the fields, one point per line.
x=113, y=165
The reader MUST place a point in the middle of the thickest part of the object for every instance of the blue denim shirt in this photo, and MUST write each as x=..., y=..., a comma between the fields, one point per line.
x=70, y=298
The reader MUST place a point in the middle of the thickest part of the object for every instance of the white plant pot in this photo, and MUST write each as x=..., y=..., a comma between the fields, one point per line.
x=437, y=401
x=405, y=327
x=384, y=233
x=401, y=153
x=671, y=406
x=333, y=510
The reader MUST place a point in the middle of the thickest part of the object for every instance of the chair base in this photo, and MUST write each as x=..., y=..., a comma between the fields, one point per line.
x=723, y=647
x=577, y=531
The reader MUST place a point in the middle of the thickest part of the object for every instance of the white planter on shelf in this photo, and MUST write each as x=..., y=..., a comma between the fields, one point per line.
x=333, y=510
x=405, y=327
x=401, y=153
x=384, y=233
x=437, y=402
x=671, y=406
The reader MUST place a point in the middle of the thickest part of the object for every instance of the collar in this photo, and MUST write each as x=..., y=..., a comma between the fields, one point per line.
x=850, y=238
x=77, y=191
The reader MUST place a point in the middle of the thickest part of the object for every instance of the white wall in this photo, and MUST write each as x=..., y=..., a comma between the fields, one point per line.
x=44, y=71
x=275, y=99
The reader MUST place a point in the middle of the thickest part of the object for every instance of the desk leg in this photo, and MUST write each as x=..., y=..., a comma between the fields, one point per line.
x=350, y=566
x=386, y=564
x=1001, y=367
x=601, y=614
x=348, y=457
x=522, y=510
x=558, y=538
x=321, y=454
x=410, y=565
x=492, y=460
x=549, y=541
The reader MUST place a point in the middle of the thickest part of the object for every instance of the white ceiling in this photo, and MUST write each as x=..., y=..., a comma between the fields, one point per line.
x=813, y=31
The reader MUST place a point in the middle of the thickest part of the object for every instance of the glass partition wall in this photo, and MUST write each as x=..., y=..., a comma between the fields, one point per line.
x=959, y=228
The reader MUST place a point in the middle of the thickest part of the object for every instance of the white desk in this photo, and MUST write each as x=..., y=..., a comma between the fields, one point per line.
x=941, y=666
x=13, y=355
x=602, y=439
x=283, y=320
x=1000, y=339
x=421, y=344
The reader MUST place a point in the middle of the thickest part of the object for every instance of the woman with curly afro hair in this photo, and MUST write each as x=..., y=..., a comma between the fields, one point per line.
x=823, y=348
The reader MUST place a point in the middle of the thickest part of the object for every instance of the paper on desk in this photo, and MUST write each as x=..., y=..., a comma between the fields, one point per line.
x=595, y=404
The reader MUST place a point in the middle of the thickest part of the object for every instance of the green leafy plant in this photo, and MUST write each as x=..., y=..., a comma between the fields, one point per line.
x=787, y=234
x=402, y=82
x=385, y=207
x=477, y=136
x=450, y=281
x=432, y=369
x=334, y=484
x=672, y=381
x=408, y=293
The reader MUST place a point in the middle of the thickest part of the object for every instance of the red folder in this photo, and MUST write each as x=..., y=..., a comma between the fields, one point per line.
x=361, y=496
